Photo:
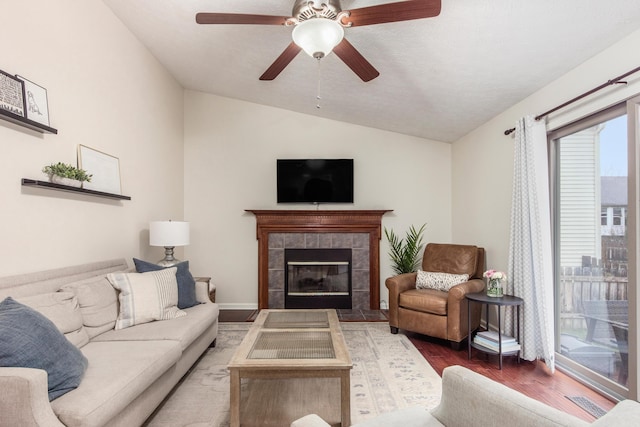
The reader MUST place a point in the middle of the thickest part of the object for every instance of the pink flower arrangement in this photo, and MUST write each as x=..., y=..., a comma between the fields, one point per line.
x=494, y=288
x=495, y=275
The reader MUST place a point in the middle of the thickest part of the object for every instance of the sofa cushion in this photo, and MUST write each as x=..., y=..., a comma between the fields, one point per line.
x=413, y=416
x=184, y=330
x=63, y=310
x=98, y=301
x=118, y=373
x=30, y=340
x=439, y=281
x=625, y=414
x=145, y=297
x=425, y=300
x=471, y=399
x=186, y=282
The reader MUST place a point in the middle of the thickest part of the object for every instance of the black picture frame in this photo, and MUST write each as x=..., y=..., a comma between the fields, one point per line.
x=11, y=94
x=35, y=101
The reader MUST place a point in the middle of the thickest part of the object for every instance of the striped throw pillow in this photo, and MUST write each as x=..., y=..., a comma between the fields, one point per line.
x=145, y=297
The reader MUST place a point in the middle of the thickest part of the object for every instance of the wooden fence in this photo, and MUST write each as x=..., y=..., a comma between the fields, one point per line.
x=576, y=289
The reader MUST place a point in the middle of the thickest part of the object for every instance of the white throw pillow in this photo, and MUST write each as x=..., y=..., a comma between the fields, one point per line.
x=439, y=281
x=145, y=297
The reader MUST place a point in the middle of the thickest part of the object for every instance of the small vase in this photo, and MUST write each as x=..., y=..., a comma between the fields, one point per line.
x=65, y=181
x=495, y=288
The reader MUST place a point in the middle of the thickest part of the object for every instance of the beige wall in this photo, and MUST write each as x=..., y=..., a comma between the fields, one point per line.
x=231, y=149
x=483, y=160
x=106, y=91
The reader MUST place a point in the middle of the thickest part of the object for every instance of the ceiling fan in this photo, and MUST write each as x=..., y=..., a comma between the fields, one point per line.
x=319, y=29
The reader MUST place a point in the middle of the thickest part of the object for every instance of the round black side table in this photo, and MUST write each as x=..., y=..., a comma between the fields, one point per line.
x=505, y=300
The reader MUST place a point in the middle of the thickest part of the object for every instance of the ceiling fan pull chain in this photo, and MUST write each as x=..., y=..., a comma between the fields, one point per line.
x=318, y=97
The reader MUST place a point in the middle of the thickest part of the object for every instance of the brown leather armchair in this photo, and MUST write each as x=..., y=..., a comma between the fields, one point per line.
x=433, y=312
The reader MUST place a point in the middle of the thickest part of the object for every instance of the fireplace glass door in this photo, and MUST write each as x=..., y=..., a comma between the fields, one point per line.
x=318, y=278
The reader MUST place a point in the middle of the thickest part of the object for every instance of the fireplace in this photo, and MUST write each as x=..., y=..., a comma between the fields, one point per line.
x=317, y=278
x=359, y=230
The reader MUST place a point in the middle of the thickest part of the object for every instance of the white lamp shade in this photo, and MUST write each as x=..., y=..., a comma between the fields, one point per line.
x=318, y=36
x=168, y=233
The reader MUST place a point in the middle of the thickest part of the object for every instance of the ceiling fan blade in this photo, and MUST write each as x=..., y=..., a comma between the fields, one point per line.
x=239, y=18
x=281, y=62
x=393, y=12
x=355, y=61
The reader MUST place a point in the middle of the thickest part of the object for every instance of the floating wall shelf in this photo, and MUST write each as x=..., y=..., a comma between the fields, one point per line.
x=22, y=121
x=26, y=182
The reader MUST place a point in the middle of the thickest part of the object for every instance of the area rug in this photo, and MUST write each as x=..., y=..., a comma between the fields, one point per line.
x=388, y=373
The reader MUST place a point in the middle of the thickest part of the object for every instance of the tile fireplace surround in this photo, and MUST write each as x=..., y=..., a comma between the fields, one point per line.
x=359, y=230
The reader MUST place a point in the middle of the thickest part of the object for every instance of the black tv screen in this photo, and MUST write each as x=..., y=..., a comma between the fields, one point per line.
x=315, y=181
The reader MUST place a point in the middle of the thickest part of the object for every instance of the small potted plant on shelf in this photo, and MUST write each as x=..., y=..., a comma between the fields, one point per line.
x=65, y=174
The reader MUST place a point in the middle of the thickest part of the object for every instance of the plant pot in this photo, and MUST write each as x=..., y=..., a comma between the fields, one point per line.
x=65, y=181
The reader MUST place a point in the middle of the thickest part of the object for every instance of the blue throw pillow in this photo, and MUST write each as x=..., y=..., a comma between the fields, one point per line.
x=186, y=283
x=30, y=340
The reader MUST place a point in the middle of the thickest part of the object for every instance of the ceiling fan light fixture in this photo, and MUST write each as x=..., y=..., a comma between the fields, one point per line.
x=318, y=36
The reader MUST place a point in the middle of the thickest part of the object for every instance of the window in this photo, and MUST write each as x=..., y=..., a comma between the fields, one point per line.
x=590, y=180
x=617, y=216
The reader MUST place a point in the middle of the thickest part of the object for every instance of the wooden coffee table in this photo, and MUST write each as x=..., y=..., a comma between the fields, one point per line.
x=290, y=345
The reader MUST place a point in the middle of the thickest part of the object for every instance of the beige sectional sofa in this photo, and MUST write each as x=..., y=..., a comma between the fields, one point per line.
x=130, y=371
x=471, y=399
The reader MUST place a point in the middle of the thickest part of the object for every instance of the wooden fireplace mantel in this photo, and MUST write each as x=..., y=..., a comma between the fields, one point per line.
x=317, y=221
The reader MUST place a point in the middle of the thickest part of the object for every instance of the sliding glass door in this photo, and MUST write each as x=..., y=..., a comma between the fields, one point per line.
x=592, y=248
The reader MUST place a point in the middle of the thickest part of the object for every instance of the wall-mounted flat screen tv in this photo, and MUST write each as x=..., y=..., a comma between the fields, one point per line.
x=315, y=180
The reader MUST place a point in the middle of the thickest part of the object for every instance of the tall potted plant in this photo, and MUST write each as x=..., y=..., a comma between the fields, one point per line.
x=404, y=252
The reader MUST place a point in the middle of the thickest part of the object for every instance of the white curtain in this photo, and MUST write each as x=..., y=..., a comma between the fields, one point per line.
x=530, y=274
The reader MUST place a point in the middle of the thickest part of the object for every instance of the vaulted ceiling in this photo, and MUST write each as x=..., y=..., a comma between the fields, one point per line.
x=440, y=77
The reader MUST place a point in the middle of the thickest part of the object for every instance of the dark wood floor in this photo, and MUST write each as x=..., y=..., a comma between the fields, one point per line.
x=529, y=378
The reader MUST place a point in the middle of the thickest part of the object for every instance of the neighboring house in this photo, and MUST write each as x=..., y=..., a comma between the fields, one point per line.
x=613, y=224
x=580, y=199
x=593, y=209
x=613, y=221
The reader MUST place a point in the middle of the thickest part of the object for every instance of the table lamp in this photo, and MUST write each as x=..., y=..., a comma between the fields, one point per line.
x=168, y=234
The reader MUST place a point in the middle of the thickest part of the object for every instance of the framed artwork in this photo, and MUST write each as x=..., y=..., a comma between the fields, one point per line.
x=11, y=94
x=104, y=168
x=35, y=102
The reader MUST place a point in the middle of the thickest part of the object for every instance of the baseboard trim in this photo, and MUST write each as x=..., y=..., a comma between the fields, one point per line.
x=238, y=306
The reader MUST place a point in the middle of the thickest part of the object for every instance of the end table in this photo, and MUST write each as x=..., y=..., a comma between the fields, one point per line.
x=503, y=301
